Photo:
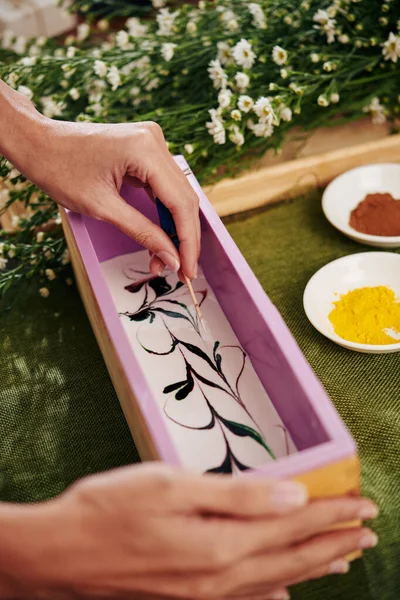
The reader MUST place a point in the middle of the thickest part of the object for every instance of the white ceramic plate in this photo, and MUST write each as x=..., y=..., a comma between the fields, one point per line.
x=345, y=192
x=367, y=269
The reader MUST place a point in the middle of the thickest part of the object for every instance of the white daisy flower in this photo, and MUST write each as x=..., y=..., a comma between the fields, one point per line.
x=224, y=55
x=323, y=101
x=286, y=114
x=188, y=148
x=65, y=258
x=122, y=39
x=377, y=111
x=245, y=103
x=229, y=19
x=83, y=31
x=321, y=17
x=113, y=77
x=296, y=89
x=279, y=55
x=263, y=130
x=12, y=79
x=3, y=263
x=100, y=68
x=391, y=48
x=71, y=51
x=158, y=3
x=344, y=38
x=242, y=81
x=22, y=89
x=216, y=128
x=167, y=51
x=236, y=115
x=44, y=292
x=224, y=98
x=258, y=15
x=11, y=253
x=325, y=24
x=191, y=27
x=217, y=74
x=166, y=21
x=236, y=136
x=135, y=27
x=264, y=110
x=315, y=57
x=335, y=98
x=135, y=91
x=40, y=237
x=327, y=66
x=284, y=73
x=243, y=54
x=28, y=61
x=52, y=108
x=74, y=93
x=50, y=274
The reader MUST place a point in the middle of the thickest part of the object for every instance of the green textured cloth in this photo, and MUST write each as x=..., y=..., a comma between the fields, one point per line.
x=60, y=418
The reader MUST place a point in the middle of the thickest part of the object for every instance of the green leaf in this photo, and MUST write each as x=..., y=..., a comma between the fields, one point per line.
x=245, y=431
x=160, y=286
x=196, y=350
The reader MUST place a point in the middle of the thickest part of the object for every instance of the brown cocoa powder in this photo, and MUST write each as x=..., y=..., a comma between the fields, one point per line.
x=377, y=214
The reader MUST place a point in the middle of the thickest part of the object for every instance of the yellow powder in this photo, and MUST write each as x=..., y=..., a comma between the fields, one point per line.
x=363, y=315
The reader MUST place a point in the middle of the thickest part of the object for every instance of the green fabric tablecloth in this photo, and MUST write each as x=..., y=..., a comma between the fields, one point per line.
x=60, y=418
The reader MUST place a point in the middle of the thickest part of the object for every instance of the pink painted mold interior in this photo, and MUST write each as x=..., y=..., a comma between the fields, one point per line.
x=277, y=421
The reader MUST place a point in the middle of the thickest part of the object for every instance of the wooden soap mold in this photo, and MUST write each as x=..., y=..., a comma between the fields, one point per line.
x=340, y=477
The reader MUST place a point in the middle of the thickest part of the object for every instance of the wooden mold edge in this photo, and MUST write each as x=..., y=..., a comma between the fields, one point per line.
x=137, y=425
x=295, y=177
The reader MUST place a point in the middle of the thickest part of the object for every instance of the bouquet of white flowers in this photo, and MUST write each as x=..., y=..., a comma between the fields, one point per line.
x=226, y=81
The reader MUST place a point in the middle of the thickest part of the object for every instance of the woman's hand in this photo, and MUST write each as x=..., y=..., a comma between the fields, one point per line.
x=155, y=532
x=82, y=167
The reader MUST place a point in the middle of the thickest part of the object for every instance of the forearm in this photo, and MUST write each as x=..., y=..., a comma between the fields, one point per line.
x=21, y=127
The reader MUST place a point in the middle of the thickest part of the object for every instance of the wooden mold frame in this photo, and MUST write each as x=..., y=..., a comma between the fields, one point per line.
x=331, y=468
x=289, y=179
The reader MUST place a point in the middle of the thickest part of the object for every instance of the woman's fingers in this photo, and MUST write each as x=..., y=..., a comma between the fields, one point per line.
x=131, y=222
x=157, y=266
x=306, y=522
x=150, y=162
x=170, y=185
x=238, y=497
x=295, y=563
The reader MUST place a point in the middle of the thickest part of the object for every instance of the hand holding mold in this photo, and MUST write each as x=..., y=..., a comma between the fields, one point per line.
x=157, y=532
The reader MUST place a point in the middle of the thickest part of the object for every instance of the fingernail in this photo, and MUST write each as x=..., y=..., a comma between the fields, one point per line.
x=339, y=566
x=281, y=595
x=368, y=511
x=288, y=494
x=368, y=540
x=169, y=260
x=160, y=271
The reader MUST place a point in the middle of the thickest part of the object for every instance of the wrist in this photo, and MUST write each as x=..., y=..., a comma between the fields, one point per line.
x=33, y=540
x=22, y=128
